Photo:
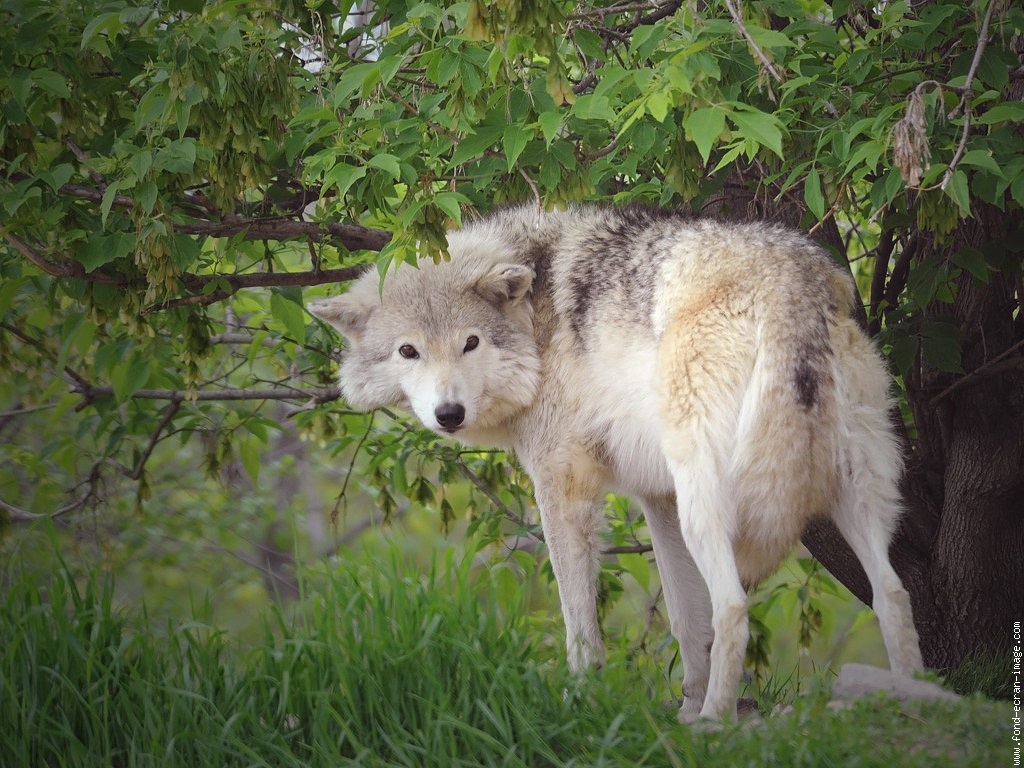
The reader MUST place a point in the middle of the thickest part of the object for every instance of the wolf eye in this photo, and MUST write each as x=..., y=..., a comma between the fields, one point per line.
x=408, y=351
x=471, y=343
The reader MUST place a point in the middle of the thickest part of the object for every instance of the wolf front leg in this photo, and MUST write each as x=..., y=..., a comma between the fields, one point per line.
x=571, y=522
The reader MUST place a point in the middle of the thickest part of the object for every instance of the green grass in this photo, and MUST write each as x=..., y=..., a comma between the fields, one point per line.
x=382, y=665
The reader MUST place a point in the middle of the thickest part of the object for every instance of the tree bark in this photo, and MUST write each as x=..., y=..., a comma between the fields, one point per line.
x=960, y=546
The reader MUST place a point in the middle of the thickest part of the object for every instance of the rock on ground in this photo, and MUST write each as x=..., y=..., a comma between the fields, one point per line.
x=857, y=680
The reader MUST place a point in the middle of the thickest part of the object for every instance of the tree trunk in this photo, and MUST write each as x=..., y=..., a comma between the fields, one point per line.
x=960, y=546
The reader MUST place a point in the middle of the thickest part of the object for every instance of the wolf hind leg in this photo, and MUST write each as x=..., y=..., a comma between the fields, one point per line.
x=865, y=515
x=686, y=599
x=701, y=504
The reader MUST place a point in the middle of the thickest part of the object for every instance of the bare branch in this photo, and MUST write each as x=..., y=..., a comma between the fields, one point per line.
x=317, y=395
x=766, y=62
x=532, y=530
x=505, y=509
x=195, y=283
x=70, y=269
x=169, y=414
x=966, y=94
x=352, y=236
x=883, y=255
x=19, y=515
x=997, y=365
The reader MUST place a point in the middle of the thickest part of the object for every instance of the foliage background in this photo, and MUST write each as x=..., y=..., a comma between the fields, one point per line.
x=177, y=179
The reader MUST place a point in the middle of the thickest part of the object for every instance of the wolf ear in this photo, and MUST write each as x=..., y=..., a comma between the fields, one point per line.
x=347, y=312
x=506, y=284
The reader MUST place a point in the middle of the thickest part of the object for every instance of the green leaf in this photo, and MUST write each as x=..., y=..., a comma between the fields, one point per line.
x=759, y=126
x=590, y=44
x=58, y=177
x=103, y=249
x=51, y=81
x=357, y=77
x=979, y=158
x=186, y=250
x=550, y=125
x=74, y=330
x=813, y=195
x=940, y=345
x=108, y=201
x=9, y=287
x=451, y=203
x=514, y=140
x=130, y=376
x=657, y=104
x=474, y=145
x=973, y=261
x=904, y=352
x=637, y=566
x=250, y=455
x=1012, y=111
x=342, y=176
x=769, y=38
x=140, y=163
x=387, y=163
x=705, y=126
x=106, y=25
x=179, y=156
x=146, y=195
x=591, y=107
x=289, y=314
x=958, y=191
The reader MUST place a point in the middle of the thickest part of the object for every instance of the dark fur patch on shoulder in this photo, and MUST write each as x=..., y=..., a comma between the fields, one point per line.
x=623, y=254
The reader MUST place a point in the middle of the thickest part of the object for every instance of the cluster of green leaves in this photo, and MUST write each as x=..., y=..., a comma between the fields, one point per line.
x=405, y=118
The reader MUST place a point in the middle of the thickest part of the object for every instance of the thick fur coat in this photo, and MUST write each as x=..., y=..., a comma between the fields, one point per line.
x=712, y=371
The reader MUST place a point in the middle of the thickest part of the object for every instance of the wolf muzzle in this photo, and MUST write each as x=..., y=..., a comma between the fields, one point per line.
x=450, y=416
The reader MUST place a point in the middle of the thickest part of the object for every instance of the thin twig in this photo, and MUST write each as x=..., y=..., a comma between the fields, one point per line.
x=979, y=371
x=315, y=394
x=71, y=269
x=765, y=61
x=236, y=282
x=169, y=414
x=19, y=515
x=351, y=468
x=967, y=94
x=505, y=509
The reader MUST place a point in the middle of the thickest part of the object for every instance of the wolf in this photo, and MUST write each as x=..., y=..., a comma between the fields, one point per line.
x=712, y=371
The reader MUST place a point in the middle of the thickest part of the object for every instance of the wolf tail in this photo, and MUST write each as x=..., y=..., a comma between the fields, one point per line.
x=790, y=428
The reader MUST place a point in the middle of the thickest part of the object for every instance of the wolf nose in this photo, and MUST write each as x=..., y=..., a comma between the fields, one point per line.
x=450, y=415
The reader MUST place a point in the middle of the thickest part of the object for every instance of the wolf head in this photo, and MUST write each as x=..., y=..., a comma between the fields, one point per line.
x=452, y=342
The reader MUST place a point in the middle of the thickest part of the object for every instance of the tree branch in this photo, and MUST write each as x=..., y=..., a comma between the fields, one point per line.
x=767, y=63
x=509, y=513
x=19, y=515
x=994, y=367
x=317, y=395
x=353, y=236
x=169, y=414
x=883, y=254
x=193, y=282
x=70, y=269
x=967, y=93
